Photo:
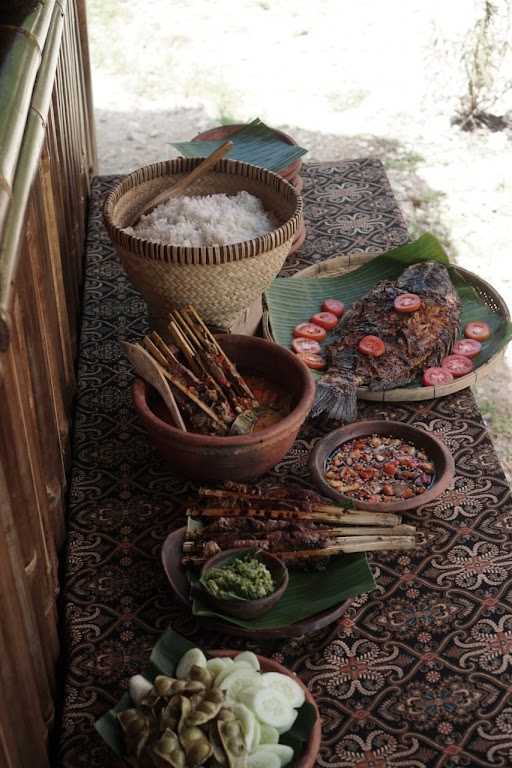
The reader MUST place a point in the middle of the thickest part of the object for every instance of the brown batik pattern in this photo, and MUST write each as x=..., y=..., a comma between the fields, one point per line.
x=416, y=674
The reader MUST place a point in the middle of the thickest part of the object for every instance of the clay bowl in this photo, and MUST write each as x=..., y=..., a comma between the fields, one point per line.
x=237, y=457
x=225, y=131
x=246, y=609
x=435, y=449
x=310, y=753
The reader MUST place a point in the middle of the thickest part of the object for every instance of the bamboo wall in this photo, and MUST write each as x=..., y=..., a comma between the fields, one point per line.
x=45, y=168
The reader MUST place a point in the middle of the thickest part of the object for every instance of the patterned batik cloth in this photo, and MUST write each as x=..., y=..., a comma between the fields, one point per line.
x=419, y=672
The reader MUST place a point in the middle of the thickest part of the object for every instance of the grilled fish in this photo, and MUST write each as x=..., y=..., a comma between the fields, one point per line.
x=412, y=341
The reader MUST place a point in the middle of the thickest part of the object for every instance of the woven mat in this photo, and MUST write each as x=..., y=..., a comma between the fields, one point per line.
x=416, y=674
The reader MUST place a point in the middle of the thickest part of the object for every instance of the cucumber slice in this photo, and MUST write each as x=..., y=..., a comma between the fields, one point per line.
x=257, y=735
x=250, y=658
x=287, y=685
x=138, y=687
x=238, y=681
x=248, y=722
x=193, y=657
x=263, y=760
x=217, y=665
x=283, y=752
x=286, y=727
x=229, y=668
x=268, y=735
x=270, y=707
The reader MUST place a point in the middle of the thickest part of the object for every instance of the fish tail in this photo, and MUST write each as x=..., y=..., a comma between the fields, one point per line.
x=336, y=397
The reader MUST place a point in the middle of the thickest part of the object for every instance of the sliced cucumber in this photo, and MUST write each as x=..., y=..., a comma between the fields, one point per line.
x=238, y=681
x=217, y=665
x=193, y=657
x=248, y=722
x=138, y=687
x=251, y=659
x=268, y=734
x=286, y=727
x=283, y=752
x=260, y=759
x=287, y=685
x=257, y=735
x=229, y=668
x=270, y=706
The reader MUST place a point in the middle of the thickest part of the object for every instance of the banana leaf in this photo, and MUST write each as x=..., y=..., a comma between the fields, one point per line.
x=308, y=593
x=294, y=300
x=163, y=661
x=255, y=143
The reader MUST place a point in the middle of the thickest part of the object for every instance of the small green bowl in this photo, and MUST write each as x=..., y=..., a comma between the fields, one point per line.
x=239, y=607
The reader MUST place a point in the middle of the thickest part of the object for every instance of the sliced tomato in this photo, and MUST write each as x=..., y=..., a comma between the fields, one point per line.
x=309, y=331
x=316, y=362
x=434, y=377
x=458, y=365
x=477, y=330
x=467, y=347
x=325, y=320
x=407, y=302
x=306, y=345
x=333, y=305
x=371, y=345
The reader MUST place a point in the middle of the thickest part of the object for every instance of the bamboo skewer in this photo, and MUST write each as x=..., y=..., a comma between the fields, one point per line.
x=381, y=543
x=349, y=517
x=372, y=535
x=359, y=544
x=210, y=338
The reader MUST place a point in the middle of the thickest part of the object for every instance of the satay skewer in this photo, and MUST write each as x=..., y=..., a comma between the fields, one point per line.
x=347, y=516
x=367, y=544
x=209, y=337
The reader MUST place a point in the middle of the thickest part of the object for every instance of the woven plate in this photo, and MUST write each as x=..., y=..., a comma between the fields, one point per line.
x=340, y=265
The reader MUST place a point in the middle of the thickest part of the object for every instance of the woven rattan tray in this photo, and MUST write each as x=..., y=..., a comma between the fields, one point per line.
x=340, y=265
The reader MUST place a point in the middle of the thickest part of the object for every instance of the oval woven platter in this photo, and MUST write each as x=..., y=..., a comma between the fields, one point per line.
x=340, y=265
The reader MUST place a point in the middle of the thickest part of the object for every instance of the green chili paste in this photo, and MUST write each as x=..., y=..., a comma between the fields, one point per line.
x=243, y=577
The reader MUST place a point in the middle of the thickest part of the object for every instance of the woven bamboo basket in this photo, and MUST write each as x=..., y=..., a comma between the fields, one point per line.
x=340, y=265
x=221, y=281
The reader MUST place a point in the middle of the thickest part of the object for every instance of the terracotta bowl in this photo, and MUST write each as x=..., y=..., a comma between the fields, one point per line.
x=308, y=757
x=436, y=450
x=238, y=457
x=246, y=609
x=225, y=131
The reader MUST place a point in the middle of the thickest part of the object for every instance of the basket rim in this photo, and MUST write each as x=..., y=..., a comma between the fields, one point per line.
x=201, y=255
x=404, y=394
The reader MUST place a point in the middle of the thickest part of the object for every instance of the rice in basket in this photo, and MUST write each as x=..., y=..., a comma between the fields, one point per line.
x=217, y=219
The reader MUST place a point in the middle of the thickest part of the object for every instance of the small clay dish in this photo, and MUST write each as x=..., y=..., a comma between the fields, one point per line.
x=436, y=450
x=239, y=607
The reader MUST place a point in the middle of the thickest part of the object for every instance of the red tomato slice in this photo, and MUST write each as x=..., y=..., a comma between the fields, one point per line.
x=458, y=365
x=309, y=331
x=316, y=362
x=467, y=347
x=371, y=345
x=407, y=302
x=325, y=320
x=306, y=345
x=434, y=377
x=333, y=305
x=478, y=330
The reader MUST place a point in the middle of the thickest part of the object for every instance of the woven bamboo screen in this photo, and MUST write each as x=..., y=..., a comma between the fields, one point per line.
x=46, y=159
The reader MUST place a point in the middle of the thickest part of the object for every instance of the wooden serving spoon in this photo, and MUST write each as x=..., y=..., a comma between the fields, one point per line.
x=187, y=180
x=151, y=372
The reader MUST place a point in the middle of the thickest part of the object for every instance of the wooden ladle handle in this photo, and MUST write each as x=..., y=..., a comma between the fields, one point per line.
x=187, y=180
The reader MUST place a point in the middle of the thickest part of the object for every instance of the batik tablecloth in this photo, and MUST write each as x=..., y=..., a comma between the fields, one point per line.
x=417, y=673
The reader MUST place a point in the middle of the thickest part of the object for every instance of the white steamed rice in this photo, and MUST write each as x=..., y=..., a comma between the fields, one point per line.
x=211, y=220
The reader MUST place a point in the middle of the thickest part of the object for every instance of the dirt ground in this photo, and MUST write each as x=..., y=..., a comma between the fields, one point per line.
x=375, y=79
